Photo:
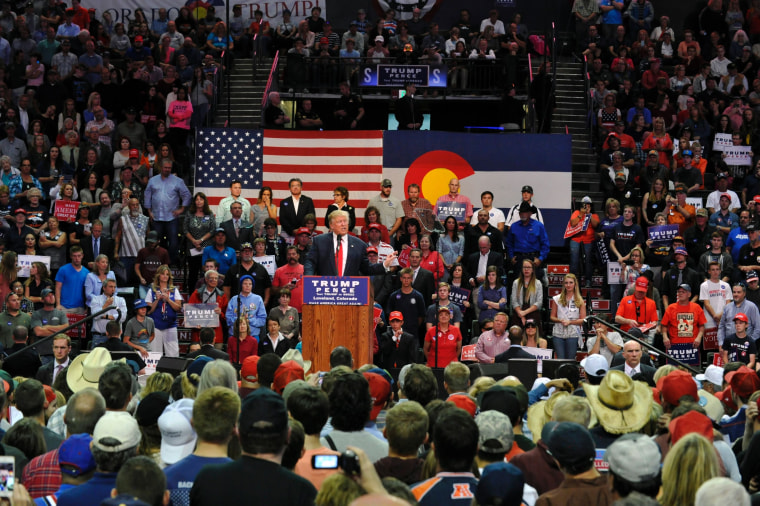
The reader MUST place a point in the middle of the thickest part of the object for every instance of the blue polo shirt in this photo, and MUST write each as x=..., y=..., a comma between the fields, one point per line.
x=226, y=257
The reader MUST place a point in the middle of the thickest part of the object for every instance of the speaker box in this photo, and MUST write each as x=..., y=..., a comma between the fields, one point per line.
x=525, y=369
x=550, y=366
x=172, y=365
x=495, y=371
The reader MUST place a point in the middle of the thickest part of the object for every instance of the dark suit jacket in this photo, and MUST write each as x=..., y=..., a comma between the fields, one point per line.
x=321, y=259
x=392, y=355
x=494, y=258
x=45, y=373
x=646, y=371
x=209, y=351
x=106, y=248
x=383, y=286
x=234, y=241
x=289, y=220
x=425, y=284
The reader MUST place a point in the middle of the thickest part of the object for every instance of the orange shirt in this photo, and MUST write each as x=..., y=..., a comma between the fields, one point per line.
x=683, y=322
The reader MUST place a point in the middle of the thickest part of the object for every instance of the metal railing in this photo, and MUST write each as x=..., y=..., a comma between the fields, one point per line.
x=463, y=75
x=642, y=342
x=69, y=327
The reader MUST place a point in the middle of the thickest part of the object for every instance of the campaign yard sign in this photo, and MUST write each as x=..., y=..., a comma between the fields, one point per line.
x=662, y=235
x=66, y=210
x=459, y=296
x=685, y=352
x=200, y=315
x=456, y=209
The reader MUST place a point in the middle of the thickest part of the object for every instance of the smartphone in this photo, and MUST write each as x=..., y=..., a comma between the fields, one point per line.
x=323, y=461
x=7, y=475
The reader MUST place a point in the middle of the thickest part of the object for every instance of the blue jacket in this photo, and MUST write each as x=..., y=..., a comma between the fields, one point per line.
x=253, y=306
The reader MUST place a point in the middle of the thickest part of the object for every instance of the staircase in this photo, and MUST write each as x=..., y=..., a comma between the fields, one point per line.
x=570, y=117
x=245, y=94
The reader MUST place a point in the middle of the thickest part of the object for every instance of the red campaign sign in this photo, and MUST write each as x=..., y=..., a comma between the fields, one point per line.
x=558, y=269
x=718, y=360
x=78, y=332
x=594, y=292
x=468, y=353
x=66, y=210
x=597, y=280
x=710, y=341
x=376, y=317
x=600, y=305
x=556, y=279
x=403, y=257
x=600, y=464
x=554, y=290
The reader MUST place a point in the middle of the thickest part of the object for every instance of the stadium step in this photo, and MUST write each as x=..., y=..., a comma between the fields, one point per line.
x=246, y=92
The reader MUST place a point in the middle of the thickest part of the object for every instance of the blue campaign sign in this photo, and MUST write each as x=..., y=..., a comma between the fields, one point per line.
x=334, y=290
x=429, y=76
x=662, y=235
x=685, y=352
x=456, y=209
x=459, y=296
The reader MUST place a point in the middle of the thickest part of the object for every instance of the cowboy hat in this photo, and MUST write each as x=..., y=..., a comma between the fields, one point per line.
x=85, y=369
x=621, y=404
x=541, y=412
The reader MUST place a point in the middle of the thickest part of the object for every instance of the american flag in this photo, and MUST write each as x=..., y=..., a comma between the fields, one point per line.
x=322, y=160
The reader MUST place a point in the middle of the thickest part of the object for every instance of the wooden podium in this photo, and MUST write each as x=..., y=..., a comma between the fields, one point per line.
x=325, y=326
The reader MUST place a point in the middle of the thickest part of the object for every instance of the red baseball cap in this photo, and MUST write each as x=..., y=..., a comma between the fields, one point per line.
x=756, y=198
x=396, y=315
x=380, y=390
x=138, y=38
x=303, y=230
x=285, y=373
x=741, y=317
x=743, y=381
x=693, y=421
x=726, y=195
x=249, y=370
x=133, y=153
x=642, y=283
x=374, y=226
x=675, y=385
x=464, y=402
x=371, y=249
x=49, y=393
x=725, y=397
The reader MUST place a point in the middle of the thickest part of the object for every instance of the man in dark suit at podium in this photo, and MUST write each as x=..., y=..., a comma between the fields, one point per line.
x=294, y=209
x=339, y=254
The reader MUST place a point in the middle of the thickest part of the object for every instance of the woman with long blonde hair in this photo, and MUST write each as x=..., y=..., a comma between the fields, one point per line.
x=568, y=313
x=689, y=463
x=164, y=302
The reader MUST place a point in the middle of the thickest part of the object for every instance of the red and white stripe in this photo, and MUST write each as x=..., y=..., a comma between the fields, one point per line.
x=324, y=161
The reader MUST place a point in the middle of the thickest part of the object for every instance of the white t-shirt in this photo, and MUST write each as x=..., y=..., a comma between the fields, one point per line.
x=719, y=294
x=495, y=216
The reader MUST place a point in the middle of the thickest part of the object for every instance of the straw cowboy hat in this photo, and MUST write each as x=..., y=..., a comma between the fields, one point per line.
x=621, y=404
x=541, y=412
x=85, y=369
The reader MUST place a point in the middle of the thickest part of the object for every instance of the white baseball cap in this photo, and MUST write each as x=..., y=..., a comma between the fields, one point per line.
x=177, y=434
x=595, y=365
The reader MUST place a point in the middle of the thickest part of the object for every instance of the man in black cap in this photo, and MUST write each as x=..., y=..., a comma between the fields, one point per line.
x=134, y=130
x=263, y=433
x=527, y=239
x=514, y=214
x=572, y=447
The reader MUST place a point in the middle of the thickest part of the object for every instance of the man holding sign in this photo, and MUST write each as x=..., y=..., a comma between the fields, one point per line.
x=683, y=326
x=443, y=204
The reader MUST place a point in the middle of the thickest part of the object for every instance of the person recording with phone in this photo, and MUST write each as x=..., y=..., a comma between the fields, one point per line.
x=583, y=240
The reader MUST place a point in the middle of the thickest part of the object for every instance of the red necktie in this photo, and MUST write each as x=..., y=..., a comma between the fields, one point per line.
x=339, y=256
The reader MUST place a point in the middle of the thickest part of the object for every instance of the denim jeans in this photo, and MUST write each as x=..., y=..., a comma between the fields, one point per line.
x=565, y=347
x=575, y=260
x=616, y=294
x=170, y=230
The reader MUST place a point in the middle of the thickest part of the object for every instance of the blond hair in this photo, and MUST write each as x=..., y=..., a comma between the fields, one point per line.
x=577, y=298
x=691, y=462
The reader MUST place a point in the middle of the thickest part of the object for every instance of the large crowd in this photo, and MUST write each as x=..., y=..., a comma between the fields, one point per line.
x=117, y=234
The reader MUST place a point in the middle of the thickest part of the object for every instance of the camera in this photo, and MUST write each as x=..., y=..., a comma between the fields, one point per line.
x=348, y=461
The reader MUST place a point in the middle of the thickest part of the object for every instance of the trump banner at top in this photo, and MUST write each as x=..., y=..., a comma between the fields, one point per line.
x=123, y=11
